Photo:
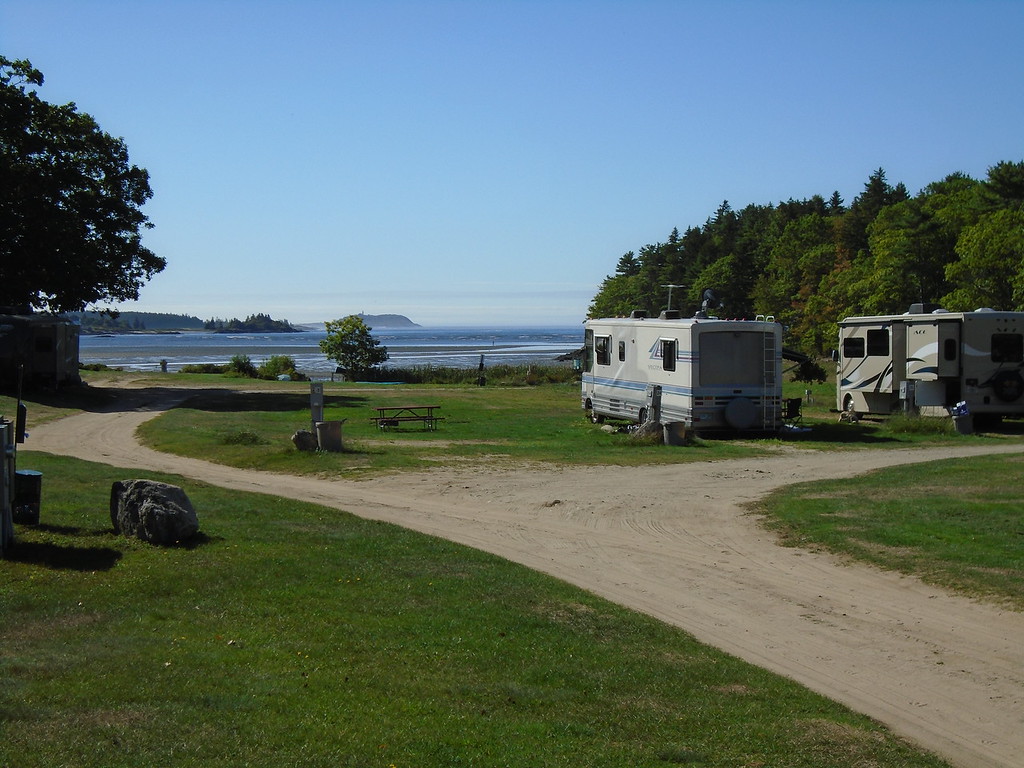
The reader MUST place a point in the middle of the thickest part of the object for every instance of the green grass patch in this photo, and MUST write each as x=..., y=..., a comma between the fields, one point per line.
x=291, y=634
x=492, y=425
x=958, y=524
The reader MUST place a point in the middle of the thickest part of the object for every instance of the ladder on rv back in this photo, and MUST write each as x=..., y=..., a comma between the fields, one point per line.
x=769, y=403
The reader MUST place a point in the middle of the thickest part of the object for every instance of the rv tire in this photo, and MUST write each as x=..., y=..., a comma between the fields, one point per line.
x=642, y=416
x=1008, y=386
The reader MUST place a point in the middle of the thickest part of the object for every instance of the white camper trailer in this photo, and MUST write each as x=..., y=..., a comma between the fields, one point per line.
x=705, y=373
x=930, y=357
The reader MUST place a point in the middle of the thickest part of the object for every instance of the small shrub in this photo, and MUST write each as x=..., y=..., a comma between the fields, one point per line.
x=279, y=365
x=244, y=437
x=500, y=375
x=241, y=365
x=203, y=368
x=910, y=424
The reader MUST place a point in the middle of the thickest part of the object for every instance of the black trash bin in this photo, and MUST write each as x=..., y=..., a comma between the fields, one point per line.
x=28, y=492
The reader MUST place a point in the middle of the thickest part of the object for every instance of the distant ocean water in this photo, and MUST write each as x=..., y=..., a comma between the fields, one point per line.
x=407, y=347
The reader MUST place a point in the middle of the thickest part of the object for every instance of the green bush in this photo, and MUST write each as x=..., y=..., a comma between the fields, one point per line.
x=203, y=368
x=912, y=424
x=279, y=365
x=244, y=437
x=241, y=365
x=504, y=375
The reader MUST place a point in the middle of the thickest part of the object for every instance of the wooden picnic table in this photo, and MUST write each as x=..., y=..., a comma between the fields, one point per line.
x=395, y=415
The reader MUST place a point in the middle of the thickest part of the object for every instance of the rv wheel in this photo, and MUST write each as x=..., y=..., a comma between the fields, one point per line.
x=1008, y=386
x=642, y=416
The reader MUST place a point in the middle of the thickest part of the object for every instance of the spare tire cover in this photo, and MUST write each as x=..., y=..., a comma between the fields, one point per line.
x=1008, y=386
x=740, y=413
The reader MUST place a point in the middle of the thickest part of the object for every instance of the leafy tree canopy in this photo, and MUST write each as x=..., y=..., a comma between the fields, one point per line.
x=70, y=200
x=351, y=346
x=809, y=263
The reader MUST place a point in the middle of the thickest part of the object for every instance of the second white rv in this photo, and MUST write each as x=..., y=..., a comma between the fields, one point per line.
x=705, y=373
x=930, y=357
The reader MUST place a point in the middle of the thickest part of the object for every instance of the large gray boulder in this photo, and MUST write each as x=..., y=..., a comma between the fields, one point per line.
x=158, y=513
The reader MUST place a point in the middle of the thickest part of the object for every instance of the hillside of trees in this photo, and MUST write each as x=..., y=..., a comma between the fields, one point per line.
x=135, y=322
x=959, y=243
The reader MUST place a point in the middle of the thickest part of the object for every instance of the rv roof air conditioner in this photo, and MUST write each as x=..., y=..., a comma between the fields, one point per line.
x=669, y=314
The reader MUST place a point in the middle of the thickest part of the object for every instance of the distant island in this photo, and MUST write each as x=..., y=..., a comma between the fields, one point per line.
x=387, y=321
x=258, y=323
x=134, y=322
x=98, y=323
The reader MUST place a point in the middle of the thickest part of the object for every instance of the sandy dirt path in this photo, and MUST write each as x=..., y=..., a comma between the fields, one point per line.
x=676, y=543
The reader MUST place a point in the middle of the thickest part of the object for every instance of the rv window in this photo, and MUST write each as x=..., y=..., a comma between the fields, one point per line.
x=733, y=359
x=878, y=343
x=1007, y=348
x=603, y=349
x=668, y=354
x=622, y=351
x=949, y=349
x=588, y=350
x=853, y=347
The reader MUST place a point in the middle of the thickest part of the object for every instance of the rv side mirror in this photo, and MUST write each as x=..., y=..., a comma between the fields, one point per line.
x=835, y=355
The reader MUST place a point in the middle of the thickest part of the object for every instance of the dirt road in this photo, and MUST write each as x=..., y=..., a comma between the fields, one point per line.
x=675, y=542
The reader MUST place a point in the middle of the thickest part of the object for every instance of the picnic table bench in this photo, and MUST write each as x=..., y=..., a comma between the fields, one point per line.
x=395, y=415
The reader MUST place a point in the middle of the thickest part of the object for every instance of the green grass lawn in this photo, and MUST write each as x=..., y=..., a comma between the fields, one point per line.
x=492, y=425
x=958, y=524
x=291, y=634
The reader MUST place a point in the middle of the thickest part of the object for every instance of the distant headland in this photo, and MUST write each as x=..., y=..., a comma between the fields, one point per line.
x=387, y=321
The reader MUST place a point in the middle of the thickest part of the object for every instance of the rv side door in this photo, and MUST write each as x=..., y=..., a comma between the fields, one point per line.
x=588, y=350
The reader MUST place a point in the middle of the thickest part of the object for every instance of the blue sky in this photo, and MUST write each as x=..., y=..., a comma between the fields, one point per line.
x=475, y=163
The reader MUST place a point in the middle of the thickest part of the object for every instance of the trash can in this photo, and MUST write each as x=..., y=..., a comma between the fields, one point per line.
x=28, y=491
x=964, y=424
x=675, y=433
x=328, y=436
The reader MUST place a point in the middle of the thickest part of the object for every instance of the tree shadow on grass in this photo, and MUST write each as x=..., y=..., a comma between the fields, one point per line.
x=230, y=401
x=860, y=433
x=75, y=557
x=100, y=399
x=65, y=557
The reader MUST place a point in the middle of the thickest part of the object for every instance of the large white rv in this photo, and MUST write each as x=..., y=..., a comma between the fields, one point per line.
x=705, y=373
x=930, y=357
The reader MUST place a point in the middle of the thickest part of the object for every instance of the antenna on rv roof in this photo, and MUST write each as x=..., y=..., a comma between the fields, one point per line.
x=670, y=286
